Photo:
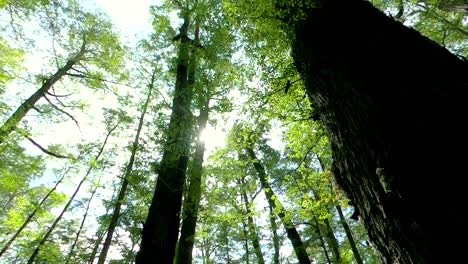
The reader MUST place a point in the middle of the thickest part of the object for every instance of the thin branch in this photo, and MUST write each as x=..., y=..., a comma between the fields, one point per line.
x=48, y=152
x=62, y=111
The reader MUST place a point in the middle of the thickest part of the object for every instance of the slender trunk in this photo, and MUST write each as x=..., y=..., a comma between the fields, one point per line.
x=13, y=121
x=7, y=204
x=246, y=242
x=250, y=222
x=192, y=201
x=349, y=235
x=65, y=208
x=291, y=231
x=160, y=231
x=276, y=238
x=226, y=243
x=329, y=234
x=322, y=242
x=70, y=254
x=389, y=141
x=332, y=241
x=32, y=214
x=97, y=243
x=191, y=204
x=125, y=181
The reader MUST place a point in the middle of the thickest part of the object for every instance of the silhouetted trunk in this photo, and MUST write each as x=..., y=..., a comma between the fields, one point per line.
x=70, y=254
x=192, y=201
x=291, y=231
x=393, y=104
x=65, y=208
x=322, y=241
x=161, y=228
x=246, y=242
x=125, y=181
x=332, y=241
x=276, y=238
x=97, y=243
x=13, y=121
x=251, y=224
x=32, y=214
x=349, y=235
x=329, y=234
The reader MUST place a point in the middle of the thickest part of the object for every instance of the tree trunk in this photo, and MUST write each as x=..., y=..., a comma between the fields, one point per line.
x=250, y=222
x=322, y=241
x=291, y=231
x=349, y=235
x=70, y=254
x=13, y=121
x=191, y=204
x=128, y=170
x=161, y=228
x=276, y=238
x=332, y=242
x=192, y=201
x=393, y=104
x=33, y=213
x=100, y=237
x=65, y=208
x=246, y=242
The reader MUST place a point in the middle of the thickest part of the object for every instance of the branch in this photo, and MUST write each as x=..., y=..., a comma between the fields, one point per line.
x=62, y=111
x=45, y=150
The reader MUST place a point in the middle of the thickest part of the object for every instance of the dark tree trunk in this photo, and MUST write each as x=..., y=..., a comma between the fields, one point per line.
x=349, y=235
x=252, y=232
x=392, y=102
x=276, y=238
x=322, y=241
x=246, y=242
x=161, y=228
x=125, y=181
x=191, y=203
x=291, y=231
x=332, y=242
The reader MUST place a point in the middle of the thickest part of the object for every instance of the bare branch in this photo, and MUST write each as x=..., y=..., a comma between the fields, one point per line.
x=62, y=111
x=48, y=152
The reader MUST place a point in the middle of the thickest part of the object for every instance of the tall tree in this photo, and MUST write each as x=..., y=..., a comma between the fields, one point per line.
x=125, y=180
x=161, y=227
x=250, y=223
x=385, y=142
x=192, y=200
x=272, y=199
x=92, y=165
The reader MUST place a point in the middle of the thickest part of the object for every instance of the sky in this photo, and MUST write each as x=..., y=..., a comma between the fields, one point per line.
x=131, y=17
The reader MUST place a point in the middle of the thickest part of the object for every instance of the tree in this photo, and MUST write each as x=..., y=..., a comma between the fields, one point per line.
x=161, y=227
x=91, y=48
x=380, y=118
x=125, y=181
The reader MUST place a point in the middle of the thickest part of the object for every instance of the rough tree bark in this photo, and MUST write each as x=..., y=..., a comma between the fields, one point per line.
x=393, y=106
x=161, y=228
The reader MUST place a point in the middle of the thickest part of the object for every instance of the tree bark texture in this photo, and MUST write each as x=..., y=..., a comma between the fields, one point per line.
x=392, y=102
